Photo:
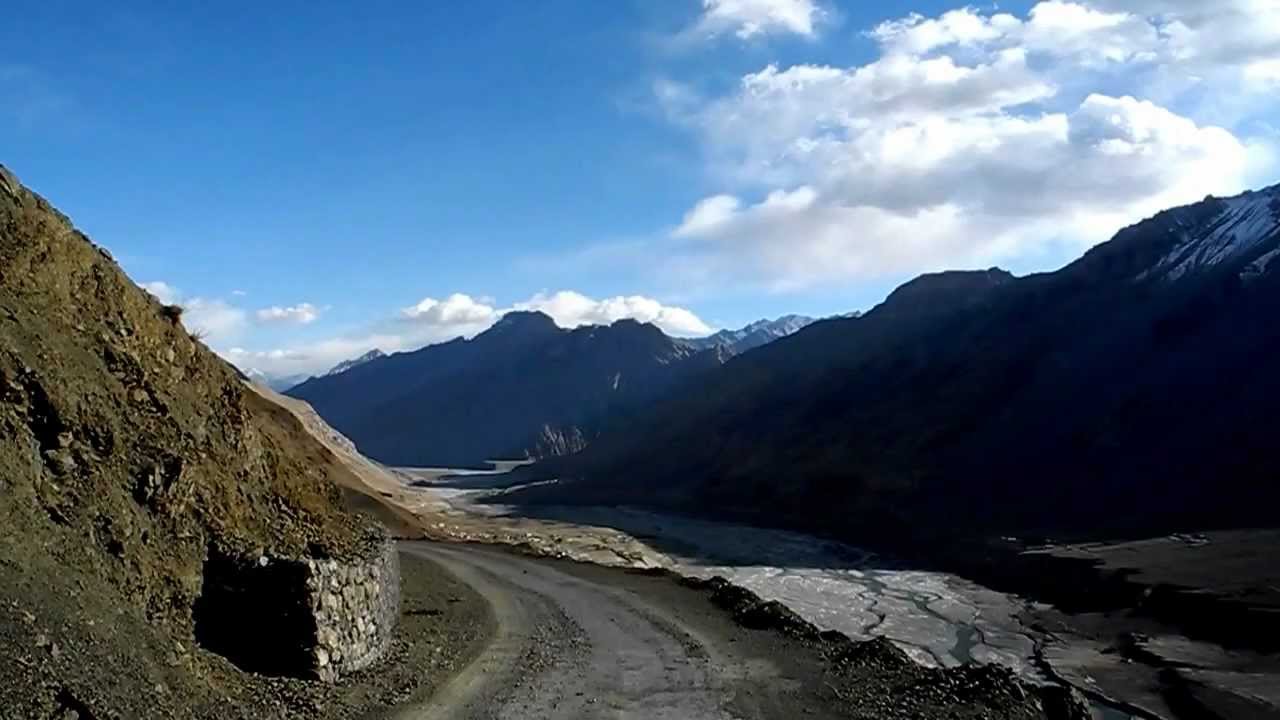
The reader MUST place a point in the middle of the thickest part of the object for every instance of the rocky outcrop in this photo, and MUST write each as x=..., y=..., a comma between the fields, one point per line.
x=557, y=441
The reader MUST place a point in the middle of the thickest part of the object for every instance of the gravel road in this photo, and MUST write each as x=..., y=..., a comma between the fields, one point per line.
x=572, y=645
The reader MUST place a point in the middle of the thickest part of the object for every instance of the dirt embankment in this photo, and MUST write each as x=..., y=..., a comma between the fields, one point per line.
x=128, y=453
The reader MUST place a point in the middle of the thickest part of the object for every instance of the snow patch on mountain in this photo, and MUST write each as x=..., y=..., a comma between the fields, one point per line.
x=346, y=365
x=1244, y=224
x=752, y=335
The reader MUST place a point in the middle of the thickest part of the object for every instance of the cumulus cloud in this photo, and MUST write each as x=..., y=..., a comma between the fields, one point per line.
x=748, y=19
x=457, y=310
x=213, y=319
x=1223, y=39
x=462, y=314
x=311, y=358
x=163, y=291
x=301, y=314
x=572, y=309
x=973, y=138
x=459, y=315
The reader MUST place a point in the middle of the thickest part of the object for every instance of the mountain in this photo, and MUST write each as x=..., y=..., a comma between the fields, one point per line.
x=279, y=383
x=138, y=476
x=1126, y=392
x=524, y=386
x=736, y=342
x=346, y=365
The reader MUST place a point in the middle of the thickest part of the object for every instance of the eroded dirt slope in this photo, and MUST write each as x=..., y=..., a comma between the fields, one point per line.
x=128, y=451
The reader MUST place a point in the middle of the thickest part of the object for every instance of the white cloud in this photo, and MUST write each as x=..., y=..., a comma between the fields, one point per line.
x=973, y=138
x=751, y=18
x=302, y=314
x=311, y=358
x=708, y=214
x=916, y=34
x=1187, y=37
x=460, y=315
x=457, y=310
x=572, y=309
x=163, y=291
x=216, y=321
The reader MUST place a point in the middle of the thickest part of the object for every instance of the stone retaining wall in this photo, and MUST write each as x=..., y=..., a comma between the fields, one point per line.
x=356, y=606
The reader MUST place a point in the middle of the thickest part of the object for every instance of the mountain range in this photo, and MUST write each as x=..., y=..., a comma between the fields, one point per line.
x=280, y=383
x=730, y=342
x=524, y=386
x=1126, y=392
x=753, y=335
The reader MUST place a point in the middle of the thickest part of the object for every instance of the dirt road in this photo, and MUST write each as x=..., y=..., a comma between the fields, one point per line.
x=569, y=645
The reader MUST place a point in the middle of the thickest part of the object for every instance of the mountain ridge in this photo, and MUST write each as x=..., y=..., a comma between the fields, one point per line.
x=751, y=335
x=523, y=387
x=926, y=412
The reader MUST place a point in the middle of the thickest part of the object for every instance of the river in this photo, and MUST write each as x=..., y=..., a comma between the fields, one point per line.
x=937, y=618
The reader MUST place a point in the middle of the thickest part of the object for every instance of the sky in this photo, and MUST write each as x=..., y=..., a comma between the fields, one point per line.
x=312, y=180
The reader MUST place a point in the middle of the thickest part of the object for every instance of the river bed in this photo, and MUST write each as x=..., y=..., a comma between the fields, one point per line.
x=937, y=618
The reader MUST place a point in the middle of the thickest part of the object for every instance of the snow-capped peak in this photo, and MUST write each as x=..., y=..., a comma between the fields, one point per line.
x=1244, y=223
x=346, y=365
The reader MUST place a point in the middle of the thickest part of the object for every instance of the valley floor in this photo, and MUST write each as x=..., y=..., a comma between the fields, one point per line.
x=938, y=618
x=577, y=640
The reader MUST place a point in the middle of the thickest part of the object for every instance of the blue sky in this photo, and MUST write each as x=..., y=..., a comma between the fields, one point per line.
x=314, y=180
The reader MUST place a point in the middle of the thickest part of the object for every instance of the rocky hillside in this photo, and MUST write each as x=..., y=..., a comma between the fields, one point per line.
x=132, y=456
x=1127, y=392
x=525, y=386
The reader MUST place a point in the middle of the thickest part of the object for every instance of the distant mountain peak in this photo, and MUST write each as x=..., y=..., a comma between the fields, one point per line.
x=635, y=327
x=523, y=320
x=947, y=288
x=1218, y=231
x=346, y=365
x=279, y=383
x=466, y=400
x=751, y=335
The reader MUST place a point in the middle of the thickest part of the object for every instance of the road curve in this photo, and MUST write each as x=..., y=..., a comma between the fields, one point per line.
x=571, y=647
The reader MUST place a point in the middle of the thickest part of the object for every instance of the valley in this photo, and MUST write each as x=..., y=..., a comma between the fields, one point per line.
x=872, y=515
x=937, y=618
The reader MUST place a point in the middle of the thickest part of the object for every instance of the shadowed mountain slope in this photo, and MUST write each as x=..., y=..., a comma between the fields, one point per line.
x=525, y=386
x=1128, y=391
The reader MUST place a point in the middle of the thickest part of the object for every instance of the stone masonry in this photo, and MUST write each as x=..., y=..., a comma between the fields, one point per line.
x=355, y=606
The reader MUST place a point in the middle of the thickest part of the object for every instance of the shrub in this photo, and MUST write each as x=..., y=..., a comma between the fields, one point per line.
x=173, y=313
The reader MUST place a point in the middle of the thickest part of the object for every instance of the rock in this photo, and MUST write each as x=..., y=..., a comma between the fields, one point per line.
x=9, y=183
x=1064, y=703
x=773, y=615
